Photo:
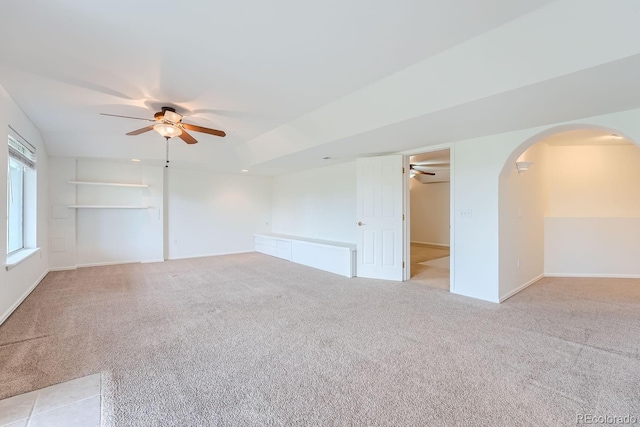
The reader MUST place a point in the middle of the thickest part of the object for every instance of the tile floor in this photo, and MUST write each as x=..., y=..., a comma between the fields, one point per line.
x=70, y=404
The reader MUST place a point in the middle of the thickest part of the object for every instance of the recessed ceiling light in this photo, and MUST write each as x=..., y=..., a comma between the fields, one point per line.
x=615, y=135
x=135, y=160
x=326, y=158
x=244, y=170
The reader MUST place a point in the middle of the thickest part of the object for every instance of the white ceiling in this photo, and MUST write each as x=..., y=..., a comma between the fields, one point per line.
x=249, y=67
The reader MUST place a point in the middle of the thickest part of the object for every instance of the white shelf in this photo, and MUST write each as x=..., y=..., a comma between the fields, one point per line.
x=112, y=184
x=106, y=207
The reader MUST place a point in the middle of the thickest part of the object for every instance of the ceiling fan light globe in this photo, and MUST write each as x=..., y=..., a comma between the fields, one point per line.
x=167, y=130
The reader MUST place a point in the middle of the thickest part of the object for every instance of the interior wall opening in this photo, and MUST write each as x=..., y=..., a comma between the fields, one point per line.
x=429, y=219
x=570, y=207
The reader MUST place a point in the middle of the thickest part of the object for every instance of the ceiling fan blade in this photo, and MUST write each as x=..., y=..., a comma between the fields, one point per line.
x=126, y=117
x=187, y=138
x=431, y=163
x=204, y=130
x=416, y=169
x=139, y=131
x=424, y=168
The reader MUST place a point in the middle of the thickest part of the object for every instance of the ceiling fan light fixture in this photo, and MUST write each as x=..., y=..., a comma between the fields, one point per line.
x=167, y=130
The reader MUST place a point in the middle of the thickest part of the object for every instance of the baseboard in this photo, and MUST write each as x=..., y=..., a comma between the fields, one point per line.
x=595, y=275
x=442, y=245
x=63, y=268
x=149, y=261
x=100, y=264
x=515, y=291
x=208, y=255
x=8, y=313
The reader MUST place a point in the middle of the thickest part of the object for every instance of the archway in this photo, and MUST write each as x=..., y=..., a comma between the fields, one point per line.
x=575, y=211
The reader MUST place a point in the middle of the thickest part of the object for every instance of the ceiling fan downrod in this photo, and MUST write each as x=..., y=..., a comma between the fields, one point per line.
x=166, y=165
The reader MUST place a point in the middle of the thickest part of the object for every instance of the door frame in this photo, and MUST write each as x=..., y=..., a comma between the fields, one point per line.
x=407, y=209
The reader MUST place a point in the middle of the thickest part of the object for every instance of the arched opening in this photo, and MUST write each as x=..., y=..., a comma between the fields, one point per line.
x=569, y=205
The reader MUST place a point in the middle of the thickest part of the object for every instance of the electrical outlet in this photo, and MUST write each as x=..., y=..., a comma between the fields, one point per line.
x=466, y=213
x=518, y=263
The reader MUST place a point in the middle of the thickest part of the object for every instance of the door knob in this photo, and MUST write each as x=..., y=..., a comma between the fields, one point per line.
x=360, y=223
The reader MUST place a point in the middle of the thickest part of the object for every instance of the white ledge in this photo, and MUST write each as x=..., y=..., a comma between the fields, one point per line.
x=20, y=256
x=106, y=207
x=112, y=184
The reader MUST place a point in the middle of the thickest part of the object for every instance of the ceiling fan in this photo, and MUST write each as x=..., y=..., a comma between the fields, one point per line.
x=419, y=169
x=168, y=123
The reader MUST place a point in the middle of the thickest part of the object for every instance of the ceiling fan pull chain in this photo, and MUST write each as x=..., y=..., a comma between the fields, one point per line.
x=167, y=157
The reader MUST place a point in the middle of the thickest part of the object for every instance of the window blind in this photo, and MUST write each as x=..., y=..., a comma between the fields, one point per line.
x=22, y=153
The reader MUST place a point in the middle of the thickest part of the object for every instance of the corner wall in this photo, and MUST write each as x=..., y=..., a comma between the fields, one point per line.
x=593, y=222
x=523, y=201
x=86, y=237
x=18, y=282
x=214, y=214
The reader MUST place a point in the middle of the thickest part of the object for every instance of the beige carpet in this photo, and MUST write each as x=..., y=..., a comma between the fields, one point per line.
x=254, y=340
x=436, y=276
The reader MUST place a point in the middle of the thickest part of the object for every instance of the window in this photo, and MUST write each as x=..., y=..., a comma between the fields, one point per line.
x=20, y=179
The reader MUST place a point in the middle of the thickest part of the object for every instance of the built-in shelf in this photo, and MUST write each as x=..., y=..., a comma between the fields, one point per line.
x=112, y=184
x=106, y=207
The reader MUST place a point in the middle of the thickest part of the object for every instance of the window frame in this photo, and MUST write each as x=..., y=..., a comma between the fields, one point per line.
x=22, y=153
x=22, y=207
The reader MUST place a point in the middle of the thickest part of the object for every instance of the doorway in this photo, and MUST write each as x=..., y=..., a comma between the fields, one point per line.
x=429, y=225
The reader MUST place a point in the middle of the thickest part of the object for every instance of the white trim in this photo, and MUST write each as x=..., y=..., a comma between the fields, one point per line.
x=100, y=264
x=208, y=255
x=595, y=275
x=106, y=207
x=20, y=256
x=148, y=261
x=452, y=208
x=427, y=149
x=112, y=184
x=11, y=309
x=73, y=267
x=406, y=224
x=515, y=291
x=432, y=244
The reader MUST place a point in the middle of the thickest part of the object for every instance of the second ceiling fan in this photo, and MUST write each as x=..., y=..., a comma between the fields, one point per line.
x=169, y=124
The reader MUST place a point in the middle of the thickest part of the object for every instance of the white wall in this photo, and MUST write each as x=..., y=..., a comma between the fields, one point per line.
x=594, y=181
x=207, y=213
x=16, y=283
x=62, y=220
x=592, y=247
x=523, y=201
x=113, y=236
x=430, y=212
x=211, y=214
x=318, y=203
x=104, y=236
x=593, y=217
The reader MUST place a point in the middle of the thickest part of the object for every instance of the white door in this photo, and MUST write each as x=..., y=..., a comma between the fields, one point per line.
x=380, y=203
